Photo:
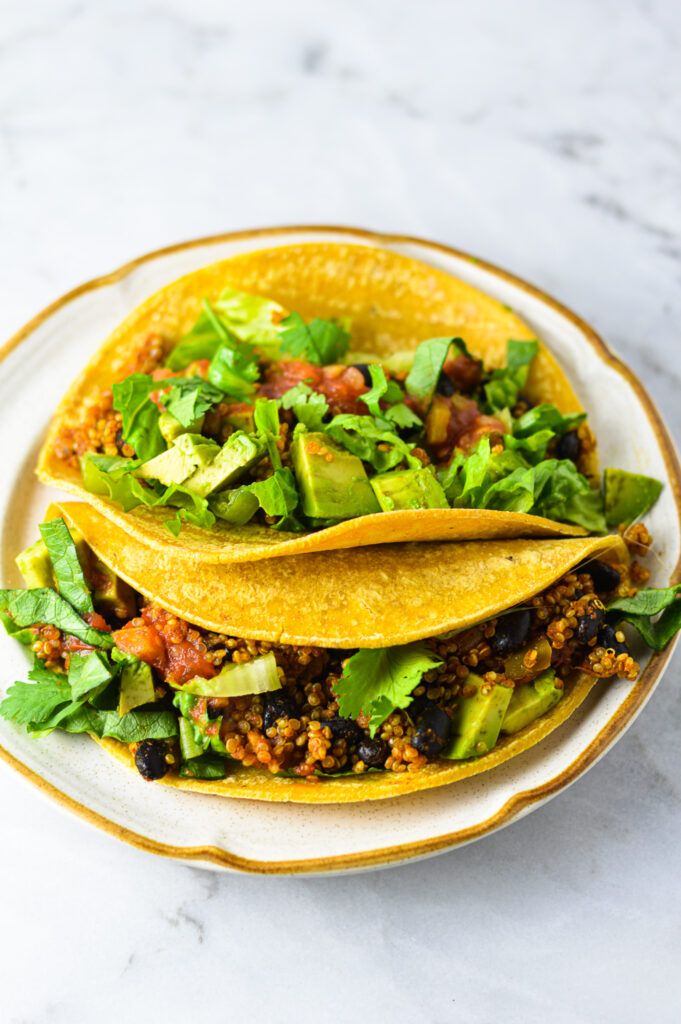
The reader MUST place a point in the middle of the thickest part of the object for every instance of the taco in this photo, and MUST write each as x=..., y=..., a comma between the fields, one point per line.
x=323, y=396
x=203, y=681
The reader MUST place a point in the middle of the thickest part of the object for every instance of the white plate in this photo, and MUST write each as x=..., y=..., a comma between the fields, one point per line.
x=42, y=360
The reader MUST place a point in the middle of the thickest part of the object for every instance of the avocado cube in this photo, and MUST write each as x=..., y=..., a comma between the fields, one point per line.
x=408, y=488
x=530, y=701
x=237, y=455
x=477, y=718
x=333, y=484
x=137, y=687
x=237, y=506
x=35, y=566
x=171, y=428
x=628, y=495
x=110, y=594
x=242, y=419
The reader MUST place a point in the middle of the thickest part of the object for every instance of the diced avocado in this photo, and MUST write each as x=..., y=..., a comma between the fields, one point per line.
x=242, y=419
x=628, y=495
x=35, y=566
x=237, y=455
x=531, y=700
x=137, y=687
x=171, y=428
x=333, y=483
x=408, y=488
x=477, y=718
x=112, y=594
x=237, y=506
x=187, y=453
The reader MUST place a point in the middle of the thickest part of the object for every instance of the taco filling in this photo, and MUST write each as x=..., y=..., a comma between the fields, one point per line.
x=194, y=703
x=258, y=417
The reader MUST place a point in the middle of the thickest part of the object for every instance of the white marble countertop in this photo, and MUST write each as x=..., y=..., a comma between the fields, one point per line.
x=543, y=137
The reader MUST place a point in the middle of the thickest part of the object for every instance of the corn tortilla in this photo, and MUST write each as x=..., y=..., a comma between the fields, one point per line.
x=394, y=303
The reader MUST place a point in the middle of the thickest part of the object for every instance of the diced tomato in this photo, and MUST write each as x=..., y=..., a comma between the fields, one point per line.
x=341, y=385
x=465, y=373
x=144, y=642
x=457, y=422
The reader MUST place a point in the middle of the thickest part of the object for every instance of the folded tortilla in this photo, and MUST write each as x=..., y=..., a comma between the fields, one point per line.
x=375, y=598
x=394, y=304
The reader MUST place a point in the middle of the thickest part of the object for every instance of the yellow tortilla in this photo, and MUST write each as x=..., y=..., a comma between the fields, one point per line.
x=394, y=303
x=373, y=598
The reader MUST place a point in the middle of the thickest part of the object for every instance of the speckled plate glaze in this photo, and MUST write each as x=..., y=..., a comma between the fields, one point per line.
x=41, y=360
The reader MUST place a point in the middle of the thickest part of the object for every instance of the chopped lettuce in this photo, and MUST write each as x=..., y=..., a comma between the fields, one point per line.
x=235, y=315
x=505, y=384
x=278, y=494
x=309, y=407
x=259, y=675
x=378, y=681
x=140, y=415
x=42, y=605
x=429, y=358
x=362, y=436
x=382, y=390
x=66, y=565
x=234, y=372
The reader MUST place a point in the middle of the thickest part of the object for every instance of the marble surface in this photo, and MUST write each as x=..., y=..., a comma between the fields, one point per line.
x=541, y=136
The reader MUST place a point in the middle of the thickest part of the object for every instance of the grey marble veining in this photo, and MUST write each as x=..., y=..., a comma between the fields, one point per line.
x=541, y=136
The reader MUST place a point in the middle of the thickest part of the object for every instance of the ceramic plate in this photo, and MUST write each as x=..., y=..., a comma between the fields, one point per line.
x=37, y=366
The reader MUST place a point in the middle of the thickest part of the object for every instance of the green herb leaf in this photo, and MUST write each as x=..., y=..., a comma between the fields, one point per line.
x=320, y=342
x=207, y=766
x=641, y=609
x=187, y=398
x=34, y=704
x=546, y=417
x=309, y=406
x=378, y=681
x=42, y=605
x=66, y=565
x=248, y=318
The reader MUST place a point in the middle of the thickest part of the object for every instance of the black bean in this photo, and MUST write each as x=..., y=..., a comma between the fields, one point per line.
x=150, y=759
x=590, y=623
x=511, y=632
x=277, y=705
x=213, y=709
x=364, y=370
x=344, y=729
x=119, y=440
x=569, y=446
x=432, y=732
x=420, y=704
x=607, y=638
x=445, y=386
x=605, y=577
x=374, y=753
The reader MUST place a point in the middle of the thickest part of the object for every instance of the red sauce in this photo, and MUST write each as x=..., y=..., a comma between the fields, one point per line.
x=457, y=422
x=341, y=385
x=167, y=643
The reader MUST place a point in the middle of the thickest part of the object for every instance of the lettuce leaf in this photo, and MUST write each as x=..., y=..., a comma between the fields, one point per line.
x=362, y=435
x=42, y=605
x=378, y=681
x=320, y=342
x=133, y=727
x=382, y=390
x=235, y=315
x=234, y=372
x=505, y=384
x=309, y=407
x=140, y=416
x=68, y=571
x=278, y=494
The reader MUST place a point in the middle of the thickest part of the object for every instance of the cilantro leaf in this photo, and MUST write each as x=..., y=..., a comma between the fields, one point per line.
x=266, y=420
x=546, y=417
x=382, y=390
x=187, y=398
x=68, y=571
x=140, y=416
x=309, y=407
x=377, y=681
x=42, y=605
x=36, y=702
x=641, y=609
x=320, y=342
